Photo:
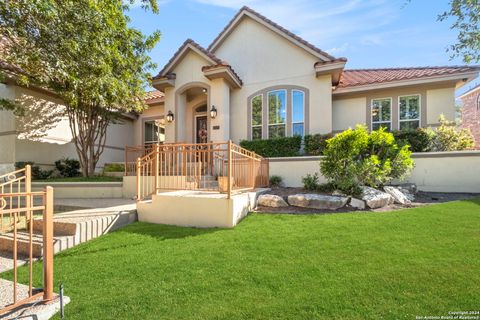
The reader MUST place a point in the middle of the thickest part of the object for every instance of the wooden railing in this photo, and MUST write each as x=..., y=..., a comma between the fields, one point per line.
x=18, y=206
x=131, y=156
x=217, y=167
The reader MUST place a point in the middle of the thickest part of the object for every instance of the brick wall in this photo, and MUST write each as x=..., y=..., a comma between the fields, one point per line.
x=471, y=114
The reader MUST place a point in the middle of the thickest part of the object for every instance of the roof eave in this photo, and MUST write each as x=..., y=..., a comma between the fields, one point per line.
x=460, y=78
x=334, y=68
x=162, y=83
x=225, y=73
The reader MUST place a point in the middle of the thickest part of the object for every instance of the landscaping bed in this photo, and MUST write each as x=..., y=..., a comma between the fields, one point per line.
x=421, y=199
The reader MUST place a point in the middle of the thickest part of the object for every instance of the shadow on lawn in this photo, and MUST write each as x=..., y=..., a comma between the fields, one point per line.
x=165, y=232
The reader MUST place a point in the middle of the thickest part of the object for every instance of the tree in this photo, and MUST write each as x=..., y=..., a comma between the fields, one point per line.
x=467, y=21
x=86, y=53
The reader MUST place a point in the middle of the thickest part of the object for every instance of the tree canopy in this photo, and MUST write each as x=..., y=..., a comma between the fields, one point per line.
x=85, y=52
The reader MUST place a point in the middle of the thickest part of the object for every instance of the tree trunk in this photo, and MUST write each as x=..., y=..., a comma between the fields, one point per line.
x=88, y=124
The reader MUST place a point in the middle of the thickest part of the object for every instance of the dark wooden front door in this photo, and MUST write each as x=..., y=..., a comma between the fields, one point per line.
x=202, y=130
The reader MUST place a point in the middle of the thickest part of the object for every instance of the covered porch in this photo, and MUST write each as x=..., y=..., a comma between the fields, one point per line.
x=196, y=184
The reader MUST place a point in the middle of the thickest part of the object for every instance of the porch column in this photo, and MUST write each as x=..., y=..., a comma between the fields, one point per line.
x=220, y=98
x=170, y=106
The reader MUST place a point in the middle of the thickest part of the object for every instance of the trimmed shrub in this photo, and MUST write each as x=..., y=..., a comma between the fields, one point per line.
x=276, y=181
x=310, y=182
x=37, y=172
x=419, y=140
x=278, y=147
x=448, y=138
x=68, y=167
x=316, y=143
x=356, y=157
x=114, y=167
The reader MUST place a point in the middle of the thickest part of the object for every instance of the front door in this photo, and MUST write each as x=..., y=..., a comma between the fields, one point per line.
x=201, y=128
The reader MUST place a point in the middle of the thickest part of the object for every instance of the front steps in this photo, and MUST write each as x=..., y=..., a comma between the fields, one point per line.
x=70, y=229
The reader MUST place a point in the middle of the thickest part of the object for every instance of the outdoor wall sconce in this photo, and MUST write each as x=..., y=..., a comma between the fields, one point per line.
x=213, y=112
x=170, y=116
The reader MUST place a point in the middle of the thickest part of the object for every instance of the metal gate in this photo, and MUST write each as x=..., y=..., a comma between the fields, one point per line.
x=19, y=207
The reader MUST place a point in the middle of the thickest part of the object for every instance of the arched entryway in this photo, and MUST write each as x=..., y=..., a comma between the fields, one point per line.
x=192, y=116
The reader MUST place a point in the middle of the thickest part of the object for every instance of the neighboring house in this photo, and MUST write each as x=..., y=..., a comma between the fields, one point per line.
x=266, y=82
x=471, y=112
x=43, y=134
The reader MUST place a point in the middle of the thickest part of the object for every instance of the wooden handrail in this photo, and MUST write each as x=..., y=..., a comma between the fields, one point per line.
x=192, y=166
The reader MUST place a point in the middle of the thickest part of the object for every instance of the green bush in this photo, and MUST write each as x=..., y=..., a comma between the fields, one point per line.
x=275, y=181
x=278, y=147
x=316, y=143
x=68, y=167
x=419, y=140
x=310, y=182
x=356, y=157
x=114, y=167
x=448, y=138
x=37, y=172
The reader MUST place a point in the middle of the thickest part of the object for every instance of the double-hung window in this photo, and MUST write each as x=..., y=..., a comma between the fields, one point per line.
x=277, y=113
x=409, y=112
x=381, y=111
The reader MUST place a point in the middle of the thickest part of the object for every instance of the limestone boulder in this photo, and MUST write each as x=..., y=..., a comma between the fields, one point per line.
x=375, y=198
x=271, y=200
x=357, y=203
x=398, y=196
x=317, y=201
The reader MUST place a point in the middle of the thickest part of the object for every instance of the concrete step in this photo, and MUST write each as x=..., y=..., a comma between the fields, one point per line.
x=70, y=229
x=23, y=243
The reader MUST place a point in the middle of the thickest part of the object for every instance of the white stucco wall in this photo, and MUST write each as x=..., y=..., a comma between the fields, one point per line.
x=456, y=171
x=7, y=132
x=349, y=112
x=264, y=59
x=43, y=136
x=440, y=101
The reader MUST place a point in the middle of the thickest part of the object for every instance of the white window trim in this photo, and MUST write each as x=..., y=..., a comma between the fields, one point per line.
x=419, y=110
x=261, y=113
x=381, y=122
x=303, y=100
x=268, y=112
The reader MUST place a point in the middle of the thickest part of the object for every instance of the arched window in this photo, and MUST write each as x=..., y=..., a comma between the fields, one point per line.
x=279, y=111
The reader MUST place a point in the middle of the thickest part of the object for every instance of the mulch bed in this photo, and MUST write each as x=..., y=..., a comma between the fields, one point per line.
x=421, y=199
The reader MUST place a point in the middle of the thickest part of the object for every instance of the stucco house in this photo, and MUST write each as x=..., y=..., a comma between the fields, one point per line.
x=471, y=112
x=263, y=81
x=42, y=134
x=256, y=80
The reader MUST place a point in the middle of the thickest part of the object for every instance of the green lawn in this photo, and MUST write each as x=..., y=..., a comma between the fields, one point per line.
x=396, y=265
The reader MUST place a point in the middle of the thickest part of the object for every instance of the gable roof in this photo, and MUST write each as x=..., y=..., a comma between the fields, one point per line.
x=248, y=12
x=356, y=78
x=189, y=44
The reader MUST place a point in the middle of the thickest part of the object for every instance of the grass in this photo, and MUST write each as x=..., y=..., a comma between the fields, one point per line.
x=394, y=265
x=83, y=179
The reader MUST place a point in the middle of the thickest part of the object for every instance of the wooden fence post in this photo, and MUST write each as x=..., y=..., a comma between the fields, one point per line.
x=48, y=245
x=138, y=165
x=229, y=169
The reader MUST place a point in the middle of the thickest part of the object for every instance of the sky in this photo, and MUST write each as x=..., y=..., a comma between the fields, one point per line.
x=369, y=33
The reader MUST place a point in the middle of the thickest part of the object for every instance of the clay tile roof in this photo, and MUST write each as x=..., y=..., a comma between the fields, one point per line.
x=162, y=73
x=275, y=25
x=154, y=95
x=359, y=77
